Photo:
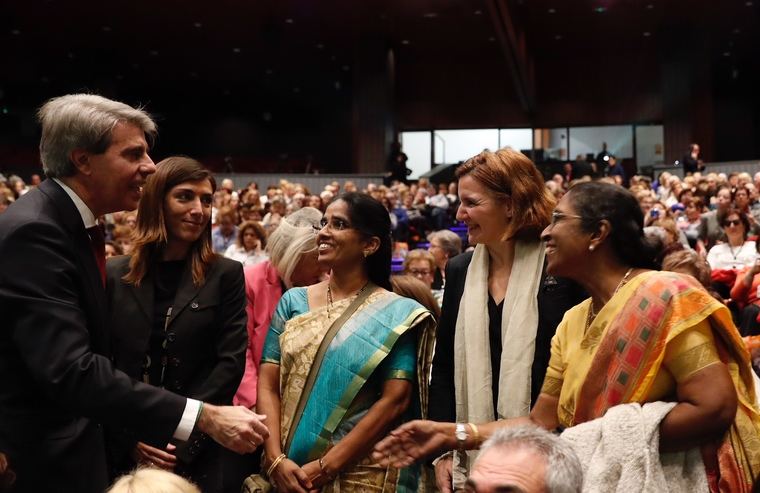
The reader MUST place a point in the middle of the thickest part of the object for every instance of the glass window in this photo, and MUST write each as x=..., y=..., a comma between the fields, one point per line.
x=649, y=145
x=550, y=143
x=416, y=146
x=590, y=140
x=519, y=139
x=453, y=146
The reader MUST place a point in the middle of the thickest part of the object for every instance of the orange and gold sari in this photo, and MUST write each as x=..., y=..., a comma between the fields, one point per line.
x=657, y=330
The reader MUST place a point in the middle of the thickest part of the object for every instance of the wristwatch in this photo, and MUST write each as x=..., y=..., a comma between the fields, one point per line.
x=460, y=432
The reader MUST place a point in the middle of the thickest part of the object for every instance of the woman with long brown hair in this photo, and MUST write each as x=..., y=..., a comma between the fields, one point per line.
x=177, y=314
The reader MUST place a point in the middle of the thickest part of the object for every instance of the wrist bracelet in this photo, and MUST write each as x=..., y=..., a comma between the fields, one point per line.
x=275, y=463
x=475, y=433
x=322, y=468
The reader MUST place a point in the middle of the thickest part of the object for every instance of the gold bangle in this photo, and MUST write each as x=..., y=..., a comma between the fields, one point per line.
x=275, y=463
x=475, y=434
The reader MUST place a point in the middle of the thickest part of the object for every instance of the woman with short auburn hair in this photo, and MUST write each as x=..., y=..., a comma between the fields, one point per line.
x=248, y=249
x=511, y=307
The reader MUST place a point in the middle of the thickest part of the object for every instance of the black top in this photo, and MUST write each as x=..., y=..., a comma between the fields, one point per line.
x=167, y=279
x=494, y=340
x=555, y=297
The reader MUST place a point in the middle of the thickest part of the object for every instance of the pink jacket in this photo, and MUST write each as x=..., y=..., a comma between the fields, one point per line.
x=263, y=290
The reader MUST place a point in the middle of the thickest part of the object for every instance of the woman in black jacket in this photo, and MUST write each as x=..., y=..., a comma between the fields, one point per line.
x=177, y=315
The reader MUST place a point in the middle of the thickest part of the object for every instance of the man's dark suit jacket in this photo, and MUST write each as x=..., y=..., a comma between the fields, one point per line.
x=555, y=297
x=57, y=385
x=206, y=343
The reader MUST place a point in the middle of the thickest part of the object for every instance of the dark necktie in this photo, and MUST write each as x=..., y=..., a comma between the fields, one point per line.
x=98, y=244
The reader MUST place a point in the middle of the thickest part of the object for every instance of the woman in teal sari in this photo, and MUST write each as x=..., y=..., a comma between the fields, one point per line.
x=345, y=360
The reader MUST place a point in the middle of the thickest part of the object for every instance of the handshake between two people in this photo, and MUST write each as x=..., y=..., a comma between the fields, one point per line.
x=234, y=427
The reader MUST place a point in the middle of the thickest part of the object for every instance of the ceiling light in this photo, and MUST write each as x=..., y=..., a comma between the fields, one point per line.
x=296, y=90
x=153, y=52
x=478, y=12
x=345, y=68
x=269, y=71
x=647, y=34
x=430, y=15
x=15, y=32
x=552, y=11
x=557, y=37
x=235, y=50
x=737, y=30
x=106, y=29
x=404, y=41
x=726, y=53
x=320, y=46
x=197, y=25
x=748, y=4
x=650, y=6
x=288, y=21
x=600, y=10
x=491, y=39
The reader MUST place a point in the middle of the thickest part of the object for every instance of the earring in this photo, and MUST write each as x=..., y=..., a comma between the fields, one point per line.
x=366, y=253
x=591, y=248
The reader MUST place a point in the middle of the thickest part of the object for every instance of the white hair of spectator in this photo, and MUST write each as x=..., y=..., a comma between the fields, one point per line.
x=450, y=242
x=152, y=480
x=83, y=121
x=295, y=236
x=564, y=473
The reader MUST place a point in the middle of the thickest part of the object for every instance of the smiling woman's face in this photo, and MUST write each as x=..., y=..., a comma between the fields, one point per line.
x=486, y=217
x=187, y=211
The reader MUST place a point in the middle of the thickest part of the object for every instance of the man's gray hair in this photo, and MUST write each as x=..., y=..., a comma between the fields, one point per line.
x=450, y=242
x=295, y=235
x=564, y=473
x=83, y=121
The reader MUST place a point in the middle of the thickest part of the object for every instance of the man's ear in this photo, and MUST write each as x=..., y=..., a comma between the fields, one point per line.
x=80, y=158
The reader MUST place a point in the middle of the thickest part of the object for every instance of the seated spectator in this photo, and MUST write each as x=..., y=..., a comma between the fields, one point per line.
x=691, y=263
x=526, y=459
x=420, y=264
x=690, y=222
x=152, y=480
x=439, y=212
x=112, y=249
x=248, y=249
x=122, y=237
x=225, y=232
x=736, y=254
x=5, y=201
x=710, y=229
x=444, y=244
x=746, y=294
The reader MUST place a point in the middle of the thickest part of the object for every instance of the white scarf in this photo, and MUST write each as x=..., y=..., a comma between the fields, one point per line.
x=472, y=362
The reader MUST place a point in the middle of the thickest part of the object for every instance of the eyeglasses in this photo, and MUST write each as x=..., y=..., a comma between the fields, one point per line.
x=732, y=222
x=418, y=272
x=557, y=216
x=336, y=224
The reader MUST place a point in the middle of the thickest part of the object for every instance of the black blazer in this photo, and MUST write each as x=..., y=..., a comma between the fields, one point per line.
x=555, y=297
x=206, y=343
x=58, y=384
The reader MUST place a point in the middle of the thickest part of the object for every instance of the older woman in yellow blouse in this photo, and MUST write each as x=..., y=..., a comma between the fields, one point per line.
x=643, y=336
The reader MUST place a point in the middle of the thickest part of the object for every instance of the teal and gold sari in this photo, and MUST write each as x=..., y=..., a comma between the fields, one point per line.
x=388, y=337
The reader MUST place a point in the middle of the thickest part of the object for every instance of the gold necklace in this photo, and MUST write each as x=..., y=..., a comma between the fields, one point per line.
x=330, y=298
x=592, y=313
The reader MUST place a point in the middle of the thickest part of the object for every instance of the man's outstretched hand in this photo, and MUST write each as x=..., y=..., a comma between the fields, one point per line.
x=234, y=427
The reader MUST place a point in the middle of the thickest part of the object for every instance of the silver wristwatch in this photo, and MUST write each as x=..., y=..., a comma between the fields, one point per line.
x=460, y=432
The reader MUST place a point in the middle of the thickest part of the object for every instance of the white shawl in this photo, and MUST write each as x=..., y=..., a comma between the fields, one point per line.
x=472, y=361
x=620, y=452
